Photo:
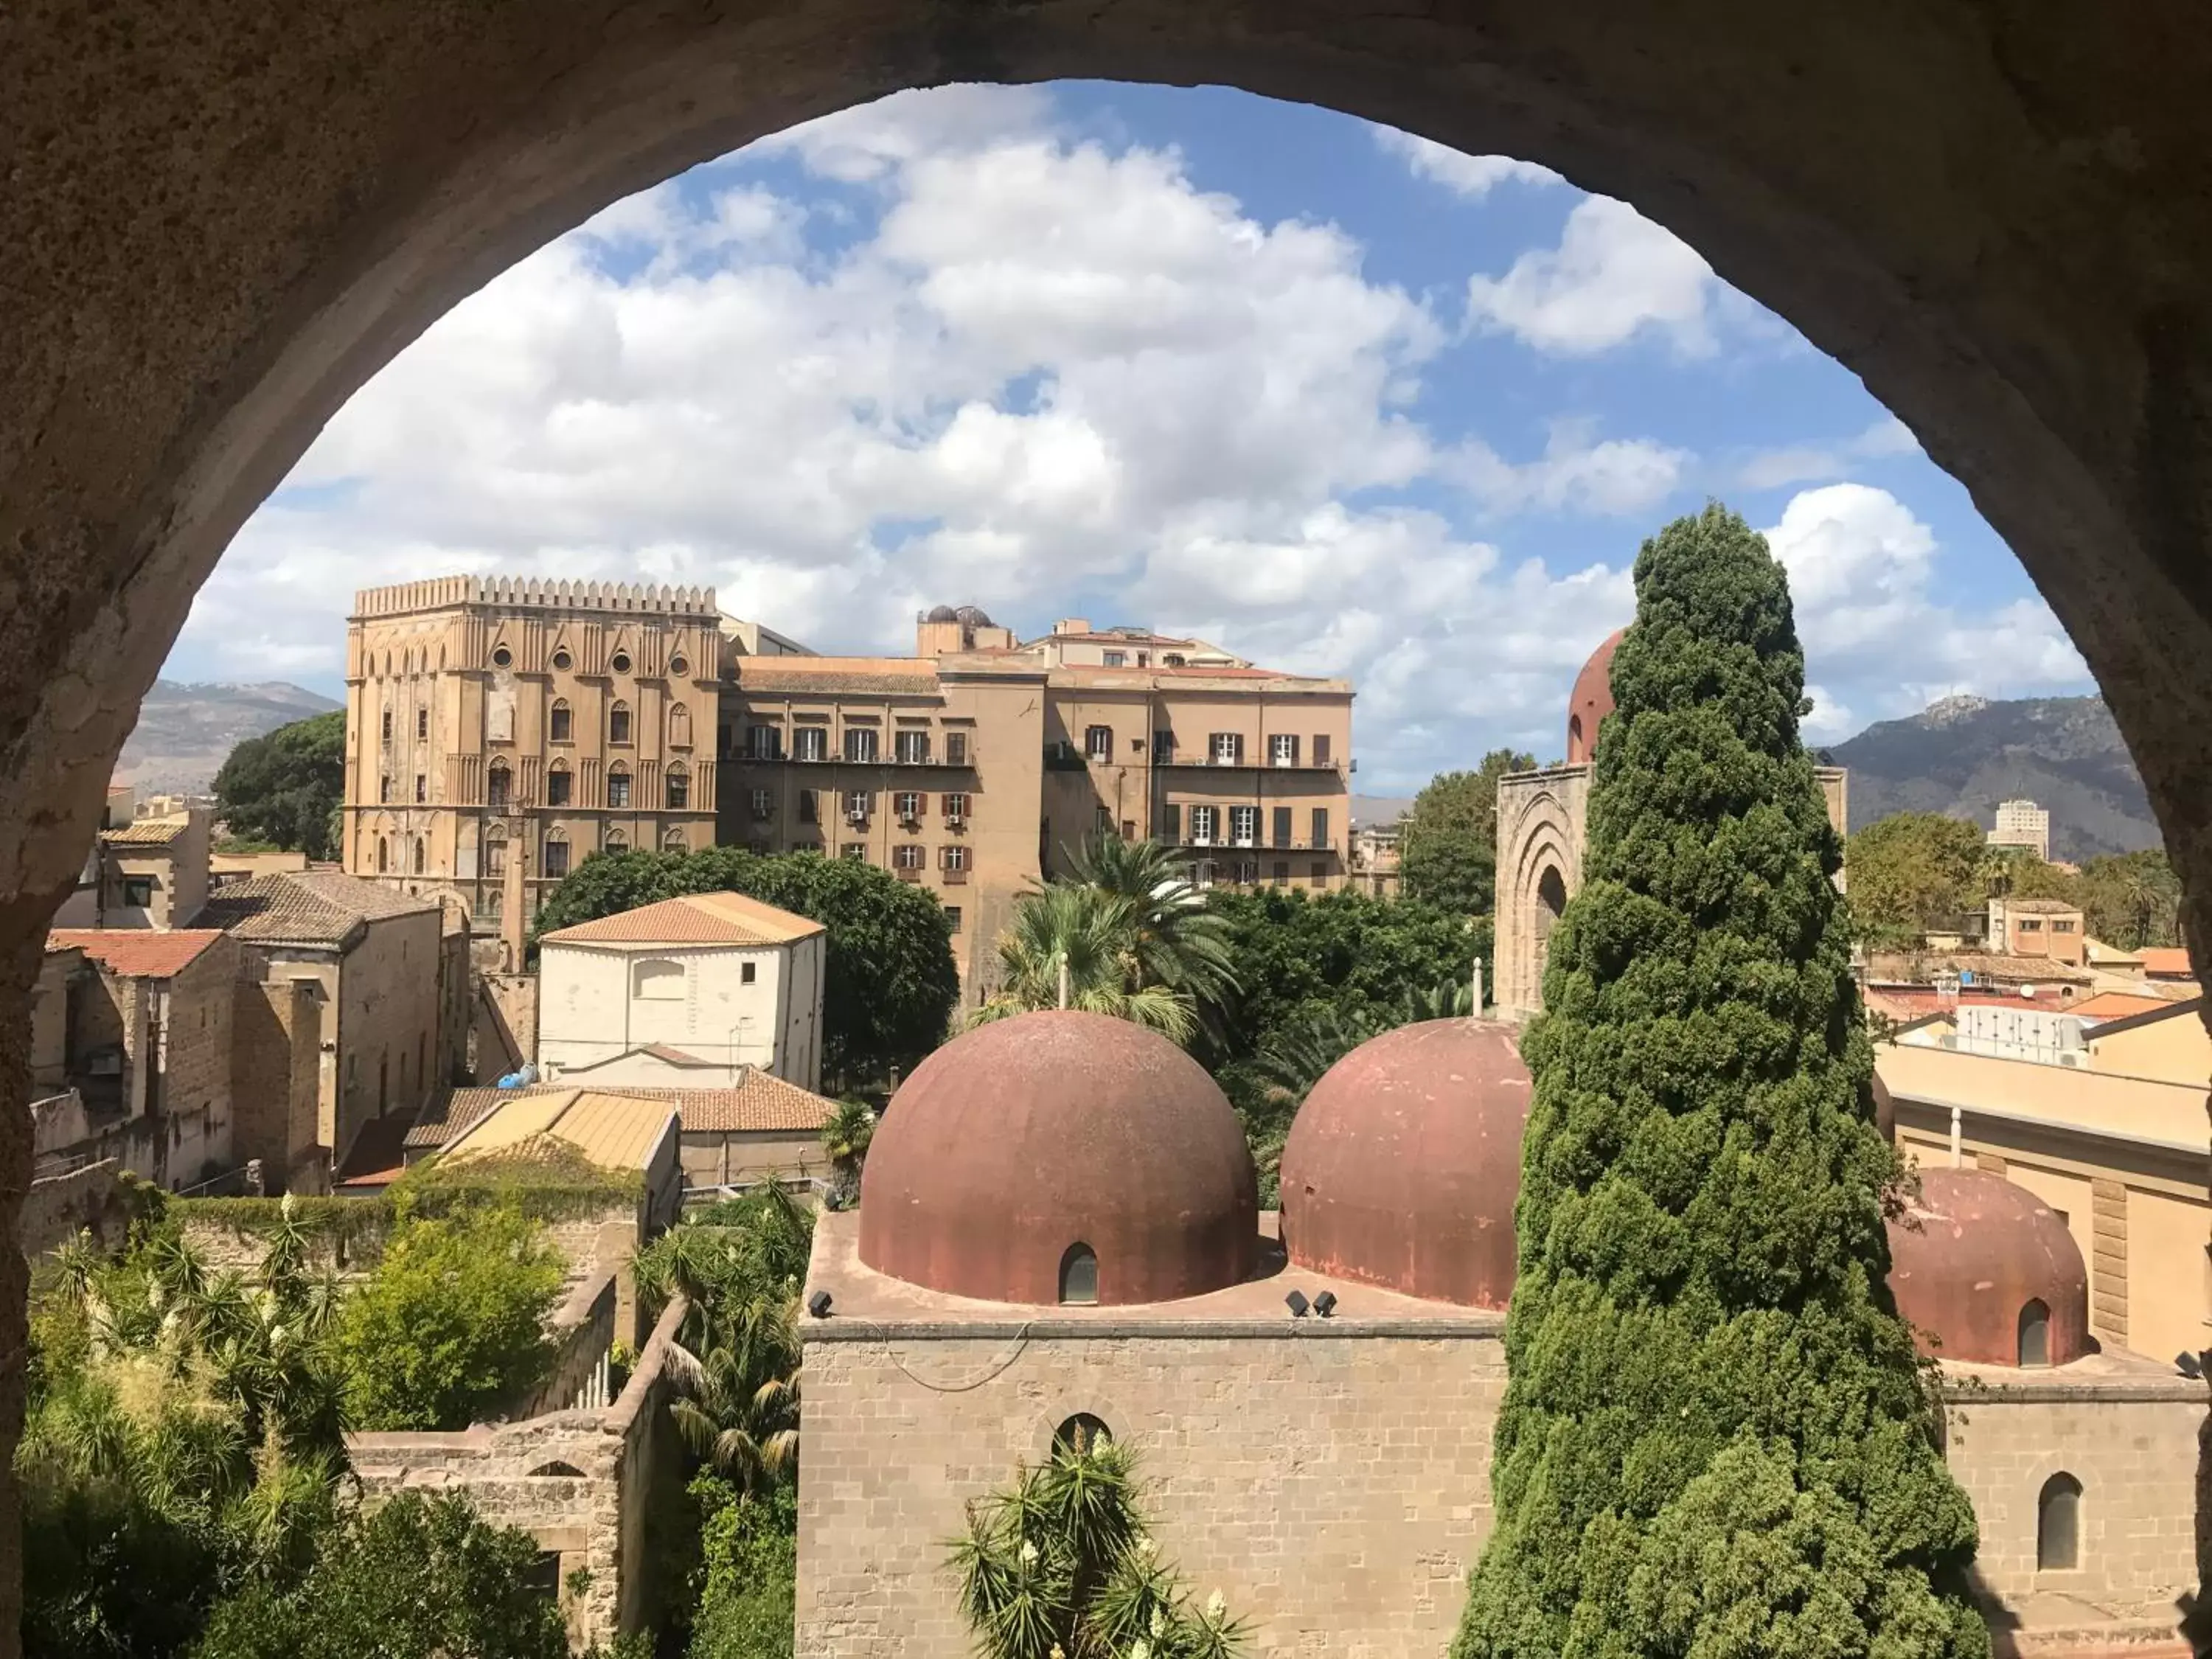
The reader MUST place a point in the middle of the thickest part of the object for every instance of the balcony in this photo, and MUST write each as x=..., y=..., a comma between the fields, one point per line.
x=1249, y=763
x=953, y=877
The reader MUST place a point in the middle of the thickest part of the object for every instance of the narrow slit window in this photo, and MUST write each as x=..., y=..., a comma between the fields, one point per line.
x=1078, y=1276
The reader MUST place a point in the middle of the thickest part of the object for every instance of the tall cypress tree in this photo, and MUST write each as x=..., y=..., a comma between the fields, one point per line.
x=1717, y=1438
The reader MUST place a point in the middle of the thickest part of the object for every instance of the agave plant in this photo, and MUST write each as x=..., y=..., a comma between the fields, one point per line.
x=1060, y=1564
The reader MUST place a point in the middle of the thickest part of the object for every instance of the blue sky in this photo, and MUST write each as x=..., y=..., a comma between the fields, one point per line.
x=1339, y=399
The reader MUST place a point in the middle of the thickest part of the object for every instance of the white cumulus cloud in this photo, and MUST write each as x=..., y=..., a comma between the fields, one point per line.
x=1613, y=276
x=1473, y=176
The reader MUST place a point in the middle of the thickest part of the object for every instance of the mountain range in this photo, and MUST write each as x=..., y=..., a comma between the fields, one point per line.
x=184, y=733
x=1964, y=755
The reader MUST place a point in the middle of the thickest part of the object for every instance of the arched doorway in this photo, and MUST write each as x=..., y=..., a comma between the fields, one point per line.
x=1550, y=905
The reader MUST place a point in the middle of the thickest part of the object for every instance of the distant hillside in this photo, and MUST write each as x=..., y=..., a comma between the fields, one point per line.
x=184, y=733
x=1964, y=755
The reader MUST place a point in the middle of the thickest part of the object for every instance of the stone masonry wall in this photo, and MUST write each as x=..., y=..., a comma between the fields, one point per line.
x=1334, y=1486
x=2133, y=1447
x=581, y=1483
x=56, y=1209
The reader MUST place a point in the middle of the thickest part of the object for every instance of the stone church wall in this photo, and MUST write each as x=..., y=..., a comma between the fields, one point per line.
x=1334, y=1484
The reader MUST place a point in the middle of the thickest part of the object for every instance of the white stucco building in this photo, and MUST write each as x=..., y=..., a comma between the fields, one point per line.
x=687, y=993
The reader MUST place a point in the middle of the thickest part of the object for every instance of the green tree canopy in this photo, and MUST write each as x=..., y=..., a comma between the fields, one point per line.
x=285, y=788
x=1913, y=870
x=1085, y=939
x=2132, y=899
x=1716, y=1436
x=413, y=1578
x=1448, y=850
x=452, y=1324
x=891, y=984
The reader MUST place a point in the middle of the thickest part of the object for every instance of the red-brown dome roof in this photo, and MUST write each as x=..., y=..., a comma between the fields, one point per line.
x=1971, y=1254
x=1591, y=701
x=1403, y=1164
x=1021, y=1139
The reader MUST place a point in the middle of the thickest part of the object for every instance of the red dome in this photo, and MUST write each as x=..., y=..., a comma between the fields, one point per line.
x=1591, y=701
x=1403, y=1164
x=1019, y=1141
x=1972, y=1254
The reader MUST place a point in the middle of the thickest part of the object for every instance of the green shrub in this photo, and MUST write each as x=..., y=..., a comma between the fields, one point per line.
x=1716, y=1438
x=451, y=1327
x=744, y=1590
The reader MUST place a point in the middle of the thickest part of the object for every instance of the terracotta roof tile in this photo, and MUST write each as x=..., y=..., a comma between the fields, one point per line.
x=813, y=676
x=694, y=919
x=135, y=953
x=315, y=906
x=762, y=1104
x=147, y=832
x=2163, y=959
x=2119, y=1005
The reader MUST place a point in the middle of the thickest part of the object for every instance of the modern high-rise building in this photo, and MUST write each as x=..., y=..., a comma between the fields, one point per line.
x=2022, y=823
x=493, y=719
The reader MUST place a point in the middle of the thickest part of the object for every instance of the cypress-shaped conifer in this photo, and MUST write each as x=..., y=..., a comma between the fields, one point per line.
x=1717, y=1438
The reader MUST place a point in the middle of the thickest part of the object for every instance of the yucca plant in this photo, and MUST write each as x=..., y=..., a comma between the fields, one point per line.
x=1060, y=1565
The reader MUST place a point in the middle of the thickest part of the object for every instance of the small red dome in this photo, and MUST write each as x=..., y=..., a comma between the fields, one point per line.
x=1021, y=1142
x=1989, y=1271
x=1591, y=700
x=1403, y=1164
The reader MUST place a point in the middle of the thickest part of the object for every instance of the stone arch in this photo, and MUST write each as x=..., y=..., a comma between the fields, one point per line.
x=1853, y=177
x=1541, y=840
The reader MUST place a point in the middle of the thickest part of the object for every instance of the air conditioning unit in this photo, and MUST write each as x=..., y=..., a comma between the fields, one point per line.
x=955, y=821
x=908, y=821
x=857, y=814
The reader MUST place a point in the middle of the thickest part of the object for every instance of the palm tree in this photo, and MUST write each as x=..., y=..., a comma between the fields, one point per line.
x=737, y=1404
x=1179, y=943
x=846, y=1134
x=1073, y=946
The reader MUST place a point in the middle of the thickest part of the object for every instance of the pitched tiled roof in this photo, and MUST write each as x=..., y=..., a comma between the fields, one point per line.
x=135, y=953
x=761, y=1104
x=2035, y=907
x=616, y=1129
x=148, y=832
x=2119, y=1005
x=314, y=906
x=2163, y=959
x=695, y=919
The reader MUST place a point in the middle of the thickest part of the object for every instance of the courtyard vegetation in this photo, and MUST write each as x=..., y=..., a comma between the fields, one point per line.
x=1717, y=1436
x=1061, y=1565
x=282, y=790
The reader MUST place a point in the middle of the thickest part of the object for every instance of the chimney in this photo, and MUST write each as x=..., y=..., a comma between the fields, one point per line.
x=513, y=909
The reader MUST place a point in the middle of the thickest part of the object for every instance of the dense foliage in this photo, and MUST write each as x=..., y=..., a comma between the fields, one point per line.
x=284, y=789
x=736, y=1365
x=412, y=1577
x=748, y=1572
x=451, y=1326
x=1060, y=1565
x=890, y=983
x=1448, y=844
x=1716, y=1436
x=1913, y=873
x=1125, y=935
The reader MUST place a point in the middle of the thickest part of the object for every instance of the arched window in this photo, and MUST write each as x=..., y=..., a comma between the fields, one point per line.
x=495, y=853
x=2035, y=1334
x=558, y=782
x=618, y=723
x=499, y=785
x=387, y=726
x=617, y=784
x=561, y=719
x=383, y=855
x=556, y=854
x=2058, y=1524
x=679, y=788
x=1082, y=1433
x=1575, y=738
x=679, y=726
x=422, y=722
x=617, y=842
x=657, y=981
x=418, y=855
x=1078, y=1276
x=555, y=1470
x=672, y=841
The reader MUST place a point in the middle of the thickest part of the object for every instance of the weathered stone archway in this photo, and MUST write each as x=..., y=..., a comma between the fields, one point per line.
x=221, y=218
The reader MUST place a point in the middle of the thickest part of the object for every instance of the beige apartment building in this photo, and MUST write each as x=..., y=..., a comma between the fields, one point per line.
x=977, y=765
x=2022, y=823
x=497, y=718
